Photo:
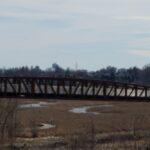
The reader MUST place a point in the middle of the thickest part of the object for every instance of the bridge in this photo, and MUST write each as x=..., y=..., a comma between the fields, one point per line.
x=70, y=88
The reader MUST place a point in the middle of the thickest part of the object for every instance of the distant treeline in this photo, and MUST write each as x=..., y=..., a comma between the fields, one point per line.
x=131, y=75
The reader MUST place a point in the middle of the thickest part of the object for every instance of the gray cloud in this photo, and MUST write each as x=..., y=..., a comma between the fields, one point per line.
x=41, y=26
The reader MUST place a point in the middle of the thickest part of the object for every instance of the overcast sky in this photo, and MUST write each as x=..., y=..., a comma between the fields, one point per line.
x=90, y=33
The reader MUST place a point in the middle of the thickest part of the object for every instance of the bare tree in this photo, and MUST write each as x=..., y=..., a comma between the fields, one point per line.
x=8, y=119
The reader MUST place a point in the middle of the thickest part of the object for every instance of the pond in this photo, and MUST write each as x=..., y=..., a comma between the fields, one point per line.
x=34, y=105
x=84, y=109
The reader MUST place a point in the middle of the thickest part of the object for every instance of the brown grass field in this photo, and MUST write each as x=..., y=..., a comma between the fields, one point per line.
x=118, y=121
x=122, y=116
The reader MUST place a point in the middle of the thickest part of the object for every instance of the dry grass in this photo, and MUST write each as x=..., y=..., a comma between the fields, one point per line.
x=123, y=119
x=123, y=116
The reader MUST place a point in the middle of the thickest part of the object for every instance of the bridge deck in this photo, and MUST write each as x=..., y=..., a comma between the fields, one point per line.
x=46, y=87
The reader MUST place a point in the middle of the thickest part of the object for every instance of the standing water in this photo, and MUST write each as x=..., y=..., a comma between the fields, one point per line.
x=84, y=109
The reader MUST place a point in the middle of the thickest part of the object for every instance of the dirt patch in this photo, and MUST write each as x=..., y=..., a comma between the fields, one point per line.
x=106, y=110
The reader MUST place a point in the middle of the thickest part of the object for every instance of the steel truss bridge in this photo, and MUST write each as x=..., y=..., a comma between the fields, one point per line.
x=70, y=88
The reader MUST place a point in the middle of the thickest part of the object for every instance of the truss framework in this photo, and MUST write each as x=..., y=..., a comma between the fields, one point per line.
x=47, y=87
